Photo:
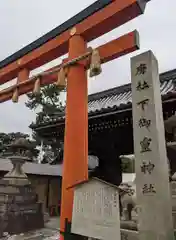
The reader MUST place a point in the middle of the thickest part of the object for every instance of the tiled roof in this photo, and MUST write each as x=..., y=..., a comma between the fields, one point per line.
x=119, y=98
x=122, y=96
x=33, y=168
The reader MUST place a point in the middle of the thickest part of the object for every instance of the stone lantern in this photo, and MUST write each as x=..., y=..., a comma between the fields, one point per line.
x=18, y=153
x=20, y=210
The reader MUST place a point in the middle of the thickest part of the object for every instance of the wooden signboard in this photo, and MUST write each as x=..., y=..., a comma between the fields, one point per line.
x=96, y=210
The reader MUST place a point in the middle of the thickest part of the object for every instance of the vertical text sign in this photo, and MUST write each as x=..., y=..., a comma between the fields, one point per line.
x=152, y=174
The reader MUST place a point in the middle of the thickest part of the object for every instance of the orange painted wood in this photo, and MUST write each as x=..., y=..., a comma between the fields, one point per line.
x=109, y=51
x=75, y=164
x=23, y=75
x=119, y=47
x=103, y=21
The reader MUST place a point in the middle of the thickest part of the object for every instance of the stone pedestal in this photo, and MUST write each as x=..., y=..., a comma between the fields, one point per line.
x=129, y=228
x=20, y=210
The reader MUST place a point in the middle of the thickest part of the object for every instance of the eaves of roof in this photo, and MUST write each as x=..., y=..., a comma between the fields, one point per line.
x=33, y=168
x=117, y=99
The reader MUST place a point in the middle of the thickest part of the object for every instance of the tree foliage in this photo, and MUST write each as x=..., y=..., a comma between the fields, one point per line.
x=8, y=138
x=128, y=166
x=47, y=105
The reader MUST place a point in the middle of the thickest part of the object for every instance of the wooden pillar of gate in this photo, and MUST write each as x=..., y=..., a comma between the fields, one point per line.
x=75, y=169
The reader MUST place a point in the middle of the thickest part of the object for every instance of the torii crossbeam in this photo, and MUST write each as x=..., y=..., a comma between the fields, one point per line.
x=72, y=37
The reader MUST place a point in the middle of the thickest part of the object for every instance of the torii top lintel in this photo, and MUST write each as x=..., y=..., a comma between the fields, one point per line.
x=94, y=21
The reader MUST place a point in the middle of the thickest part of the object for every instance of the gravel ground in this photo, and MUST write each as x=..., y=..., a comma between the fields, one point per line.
x=50, y=232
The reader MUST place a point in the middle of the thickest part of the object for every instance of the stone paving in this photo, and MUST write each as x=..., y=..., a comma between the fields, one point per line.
x=50, y=232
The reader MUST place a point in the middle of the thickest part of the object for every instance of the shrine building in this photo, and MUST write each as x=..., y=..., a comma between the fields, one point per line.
x=110, y=125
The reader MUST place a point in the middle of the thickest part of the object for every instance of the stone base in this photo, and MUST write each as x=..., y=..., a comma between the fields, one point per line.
x=129, y=228
x=131, y=235
x=19, y=210
x=23, y=237
x=16, y=223
x=128, y=225
x=131, y=225
x=41, y=234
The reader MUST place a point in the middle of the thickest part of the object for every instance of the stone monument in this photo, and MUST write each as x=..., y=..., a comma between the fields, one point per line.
x=20, y=210
x=151, y=165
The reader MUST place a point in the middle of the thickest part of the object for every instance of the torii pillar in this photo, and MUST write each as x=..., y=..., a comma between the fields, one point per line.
x=76, y=129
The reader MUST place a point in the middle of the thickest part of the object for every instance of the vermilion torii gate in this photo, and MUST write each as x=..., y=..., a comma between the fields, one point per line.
x=72, y=37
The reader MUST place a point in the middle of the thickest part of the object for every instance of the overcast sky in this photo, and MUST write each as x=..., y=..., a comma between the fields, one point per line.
x=24, y=21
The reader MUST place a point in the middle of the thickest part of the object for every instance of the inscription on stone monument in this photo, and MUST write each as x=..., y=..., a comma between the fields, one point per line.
x=147, y=167
x=144, y=122
x=143, y=103
x=96, y=210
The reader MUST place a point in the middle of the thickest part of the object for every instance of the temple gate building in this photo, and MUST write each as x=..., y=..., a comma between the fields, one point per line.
x=110, y=126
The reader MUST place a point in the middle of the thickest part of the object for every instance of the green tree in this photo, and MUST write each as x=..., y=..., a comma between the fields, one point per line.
x=8, y=138
x=47, y=105
x=128, y=165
